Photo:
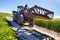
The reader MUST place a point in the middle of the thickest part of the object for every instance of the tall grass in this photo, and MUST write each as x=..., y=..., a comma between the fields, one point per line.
x=5, y=29
x=50, y=24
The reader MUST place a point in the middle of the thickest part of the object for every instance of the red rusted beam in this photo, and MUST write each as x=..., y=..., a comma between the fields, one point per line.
x=49, y=12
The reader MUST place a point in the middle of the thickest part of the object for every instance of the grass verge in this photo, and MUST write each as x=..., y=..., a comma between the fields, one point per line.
x=5, y=29
x=49, y=24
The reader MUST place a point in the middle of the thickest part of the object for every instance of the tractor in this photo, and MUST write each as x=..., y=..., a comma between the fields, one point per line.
x=23, y=15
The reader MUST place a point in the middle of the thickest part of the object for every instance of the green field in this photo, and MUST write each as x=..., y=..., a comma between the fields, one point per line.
x=49, y=24
x=5, y=29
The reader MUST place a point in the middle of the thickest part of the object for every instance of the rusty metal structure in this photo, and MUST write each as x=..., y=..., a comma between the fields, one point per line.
x=39, y=11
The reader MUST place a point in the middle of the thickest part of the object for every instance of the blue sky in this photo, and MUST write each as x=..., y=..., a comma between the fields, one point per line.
x=10, y=5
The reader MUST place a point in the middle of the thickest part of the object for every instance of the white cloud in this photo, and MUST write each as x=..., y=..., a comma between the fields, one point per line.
x=56, y=16
x=4, y=10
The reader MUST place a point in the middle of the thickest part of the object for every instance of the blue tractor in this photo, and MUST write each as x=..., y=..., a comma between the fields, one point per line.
x=23, y=15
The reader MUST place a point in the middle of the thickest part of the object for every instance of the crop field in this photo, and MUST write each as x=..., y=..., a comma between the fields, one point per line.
x=5, y=29
x=53, y=24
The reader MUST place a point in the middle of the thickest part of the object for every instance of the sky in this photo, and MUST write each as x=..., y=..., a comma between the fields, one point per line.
x=8, y=6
